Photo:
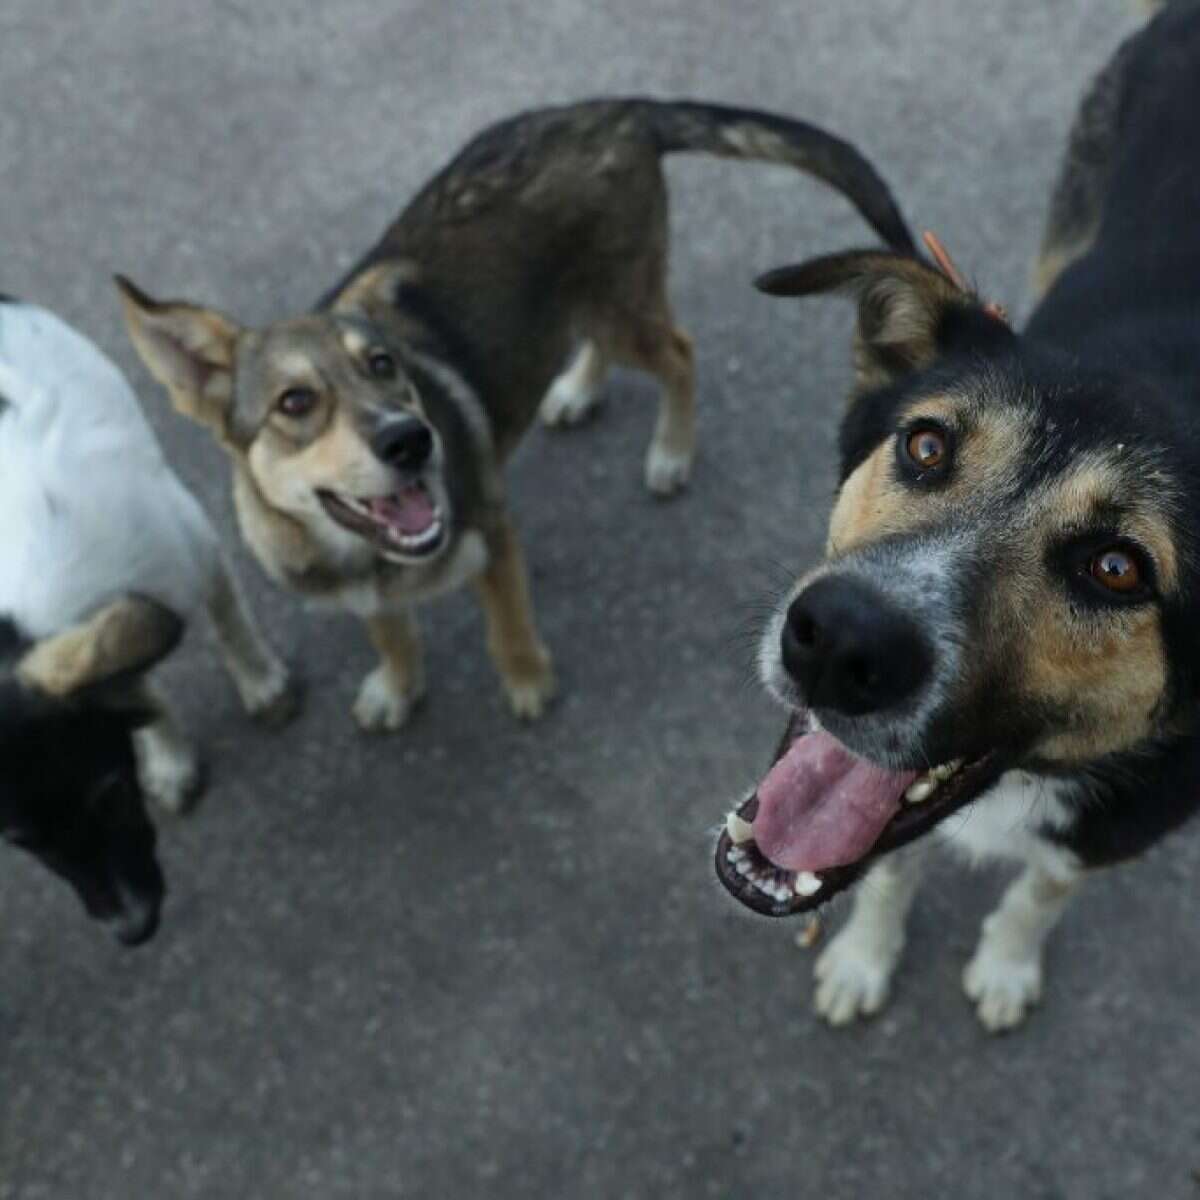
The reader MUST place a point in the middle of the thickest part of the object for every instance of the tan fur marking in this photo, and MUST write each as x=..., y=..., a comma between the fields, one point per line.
x=516, y=649
x=394, y=636
x=874, y=504
x=1098, y=481
x=1110, y=679
x=375, y=284
x=129, y=635
x=871, y=505
x=1052, y=262
x=338, y=459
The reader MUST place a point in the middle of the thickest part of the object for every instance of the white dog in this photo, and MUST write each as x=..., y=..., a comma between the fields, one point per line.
x=89, y=510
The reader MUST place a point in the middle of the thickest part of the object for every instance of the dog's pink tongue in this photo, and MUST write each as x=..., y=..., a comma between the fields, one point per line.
x=821, y=807
x=410, y=510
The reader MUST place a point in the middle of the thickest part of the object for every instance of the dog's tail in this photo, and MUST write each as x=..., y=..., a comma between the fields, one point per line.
x=687, y=125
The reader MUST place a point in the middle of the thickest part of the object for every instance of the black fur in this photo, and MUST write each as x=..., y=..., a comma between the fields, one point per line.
x=69, y=796
x=1130, y=310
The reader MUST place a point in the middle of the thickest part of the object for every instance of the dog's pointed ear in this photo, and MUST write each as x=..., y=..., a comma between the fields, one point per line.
x=188, y=349
x=909, y=313
x=108, y=651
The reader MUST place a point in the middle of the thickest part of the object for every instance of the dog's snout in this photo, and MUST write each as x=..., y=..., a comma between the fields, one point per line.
x=406, y=443
x=850, y=651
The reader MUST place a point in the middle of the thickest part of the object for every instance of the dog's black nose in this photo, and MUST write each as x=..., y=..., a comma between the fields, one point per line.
x=405, y=442
x=850, y=650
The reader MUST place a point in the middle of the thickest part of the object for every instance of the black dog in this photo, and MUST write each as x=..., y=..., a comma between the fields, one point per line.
x=1006, y=615
x=69, y=791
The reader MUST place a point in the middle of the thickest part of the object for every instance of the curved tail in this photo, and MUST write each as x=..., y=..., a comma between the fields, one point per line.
x=687, y=125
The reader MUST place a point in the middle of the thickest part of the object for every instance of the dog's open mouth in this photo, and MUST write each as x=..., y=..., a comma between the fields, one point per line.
x=821, y=815
x=407, y=523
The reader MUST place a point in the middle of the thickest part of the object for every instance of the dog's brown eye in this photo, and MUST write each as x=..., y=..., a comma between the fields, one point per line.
x=926, y=449
x=1117, y=570
x=297, y=402
x=382, y=365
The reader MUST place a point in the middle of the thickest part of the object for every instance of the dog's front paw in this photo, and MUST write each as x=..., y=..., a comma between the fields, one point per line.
x=383, y=705
x=567, y=404
x=530, y=686
x=667, y=471
x=274, y=698
x=853, y=978
x=1003, y=989
x=169, y=774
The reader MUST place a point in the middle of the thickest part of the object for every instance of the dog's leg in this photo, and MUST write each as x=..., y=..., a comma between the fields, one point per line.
x=512, y=637
x=855, y=971
x=168, y=768
x=391, y=691
x=576, y=392
x=659, y=347
x=1004, y=978
x=261, y=679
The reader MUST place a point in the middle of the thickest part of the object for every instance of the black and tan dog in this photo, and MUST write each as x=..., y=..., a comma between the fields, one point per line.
x=367, y=437
x=1006, y=614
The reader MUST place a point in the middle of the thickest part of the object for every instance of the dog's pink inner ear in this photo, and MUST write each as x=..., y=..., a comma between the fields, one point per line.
x=188, y=349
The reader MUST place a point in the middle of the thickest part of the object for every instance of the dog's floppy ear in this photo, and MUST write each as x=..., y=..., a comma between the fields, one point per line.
x=106, y=652
x=909, y=313
x=189, y=350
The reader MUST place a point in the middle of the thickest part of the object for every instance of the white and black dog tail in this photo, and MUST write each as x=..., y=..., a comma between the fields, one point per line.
x=687, y=125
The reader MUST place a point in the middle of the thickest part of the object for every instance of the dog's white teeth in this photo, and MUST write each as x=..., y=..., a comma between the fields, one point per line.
x=807, y=884
x=921, y=789
x=735, y=854
x=744, y=867
x=739, y=831
x=925, y=785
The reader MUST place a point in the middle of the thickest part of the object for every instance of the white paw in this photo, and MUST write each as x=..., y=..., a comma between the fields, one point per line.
x=852, y=979
x=382, y=706
x=272, y=698
x=170, y=777
x=529, y=692
x=1004, y=989
x=667, y=471
x=566, y=404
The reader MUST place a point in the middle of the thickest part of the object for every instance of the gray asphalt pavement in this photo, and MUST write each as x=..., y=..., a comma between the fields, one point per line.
x=478, y=960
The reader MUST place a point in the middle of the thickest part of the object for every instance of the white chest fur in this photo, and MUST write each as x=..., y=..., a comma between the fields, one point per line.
x=466, y=560
x=1005, y=823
